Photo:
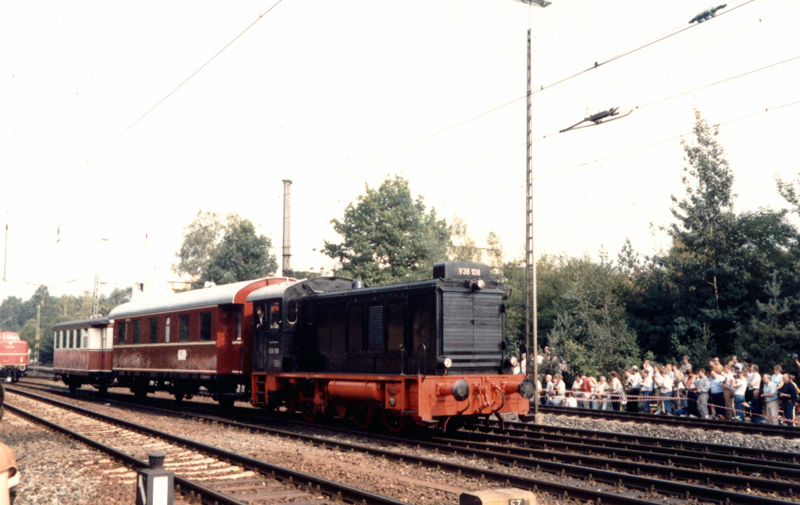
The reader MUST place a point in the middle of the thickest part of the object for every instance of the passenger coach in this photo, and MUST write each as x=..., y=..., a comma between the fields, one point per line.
x=431, y=351
x=82, y=353
x=184, y=341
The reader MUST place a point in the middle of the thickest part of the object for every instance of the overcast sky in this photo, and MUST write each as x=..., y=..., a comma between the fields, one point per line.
x=118, y=122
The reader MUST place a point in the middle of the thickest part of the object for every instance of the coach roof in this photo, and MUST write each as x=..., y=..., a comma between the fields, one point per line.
x=83, y=323
x=218, y=295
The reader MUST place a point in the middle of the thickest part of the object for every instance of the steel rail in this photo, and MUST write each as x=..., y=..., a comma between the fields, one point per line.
x=643, y=483
x=650, y=454
x=329, y=487
x=537, y=485
x=707, y=424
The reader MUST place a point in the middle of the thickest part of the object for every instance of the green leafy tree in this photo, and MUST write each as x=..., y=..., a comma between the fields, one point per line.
x=770, y=336
x=200, y=238
x=213, y=251
x=388, y=236
x=241, y=255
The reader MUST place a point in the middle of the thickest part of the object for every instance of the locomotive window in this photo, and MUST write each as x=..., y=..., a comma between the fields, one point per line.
x=375, y=328
x=183, y=327
x=136, y=331
x=396, y=325
x=274, y=315
x=291, y=315
x=122, y=327
x=166, y=329
x=205, y=326
x=355, y=328
x=153, y=330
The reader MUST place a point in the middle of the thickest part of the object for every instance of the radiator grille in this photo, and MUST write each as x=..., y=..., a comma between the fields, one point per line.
x=473, y=331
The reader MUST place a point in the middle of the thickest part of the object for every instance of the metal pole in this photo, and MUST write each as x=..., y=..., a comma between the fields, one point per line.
x=530, y=261
x=287, y=245
x=5, y=256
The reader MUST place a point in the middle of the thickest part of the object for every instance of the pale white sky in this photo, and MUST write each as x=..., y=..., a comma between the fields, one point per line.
x=333, y=95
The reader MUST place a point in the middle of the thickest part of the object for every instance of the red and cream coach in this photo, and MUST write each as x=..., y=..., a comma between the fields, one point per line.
x=186, y=341
x=82, y=352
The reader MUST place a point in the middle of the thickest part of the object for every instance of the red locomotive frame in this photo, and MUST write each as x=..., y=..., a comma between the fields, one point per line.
x=14, y=354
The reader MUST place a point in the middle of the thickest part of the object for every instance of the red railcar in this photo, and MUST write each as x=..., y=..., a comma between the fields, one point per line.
x=14, y=354
x=82, y=352
x=186, y=341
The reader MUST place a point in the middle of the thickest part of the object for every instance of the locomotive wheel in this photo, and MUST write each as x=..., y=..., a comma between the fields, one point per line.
x=393, y=421
x=309, y=411
x=362, y=416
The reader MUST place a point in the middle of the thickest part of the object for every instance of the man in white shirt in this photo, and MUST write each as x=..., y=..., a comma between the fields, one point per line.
x=770, y=400
x=560, y=390
x=634, y=389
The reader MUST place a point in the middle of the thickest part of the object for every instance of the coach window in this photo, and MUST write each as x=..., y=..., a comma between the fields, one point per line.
x=166, y=329
x=205, y=326
x=396, y=325
x=55, y=340
x=183, y=327
x=71, y=339
x=122, y=327
x=136, y=331
x=84, y=338
x=153, y=330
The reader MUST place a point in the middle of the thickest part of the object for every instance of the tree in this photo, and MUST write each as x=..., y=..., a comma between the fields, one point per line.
x=241, y=255
x=462, y=246
x=707, y=209
x=592, y=335
x=388, y=236
x=223, y=252
x=200, y=238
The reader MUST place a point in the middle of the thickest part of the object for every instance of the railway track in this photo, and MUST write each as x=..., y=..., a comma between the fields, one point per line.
x=687, y=422
x=206, y=473
x=635, y=468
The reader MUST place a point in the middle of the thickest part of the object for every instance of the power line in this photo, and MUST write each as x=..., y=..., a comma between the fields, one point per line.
x=151, y=109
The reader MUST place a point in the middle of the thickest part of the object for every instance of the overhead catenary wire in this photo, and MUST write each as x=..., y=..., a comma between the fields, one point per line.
x=147, y=112
x=448, y=129
x=374, y=159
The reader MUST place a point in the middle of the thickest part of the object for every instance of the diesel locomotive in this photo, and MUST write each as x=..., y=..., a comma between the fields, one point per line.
x=430, y=351
x=422, y=352
x=14, y=353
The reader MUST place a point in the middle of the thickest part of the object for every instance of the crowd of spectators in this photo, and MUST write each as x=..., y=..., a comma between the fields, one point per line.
x=731, y=391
